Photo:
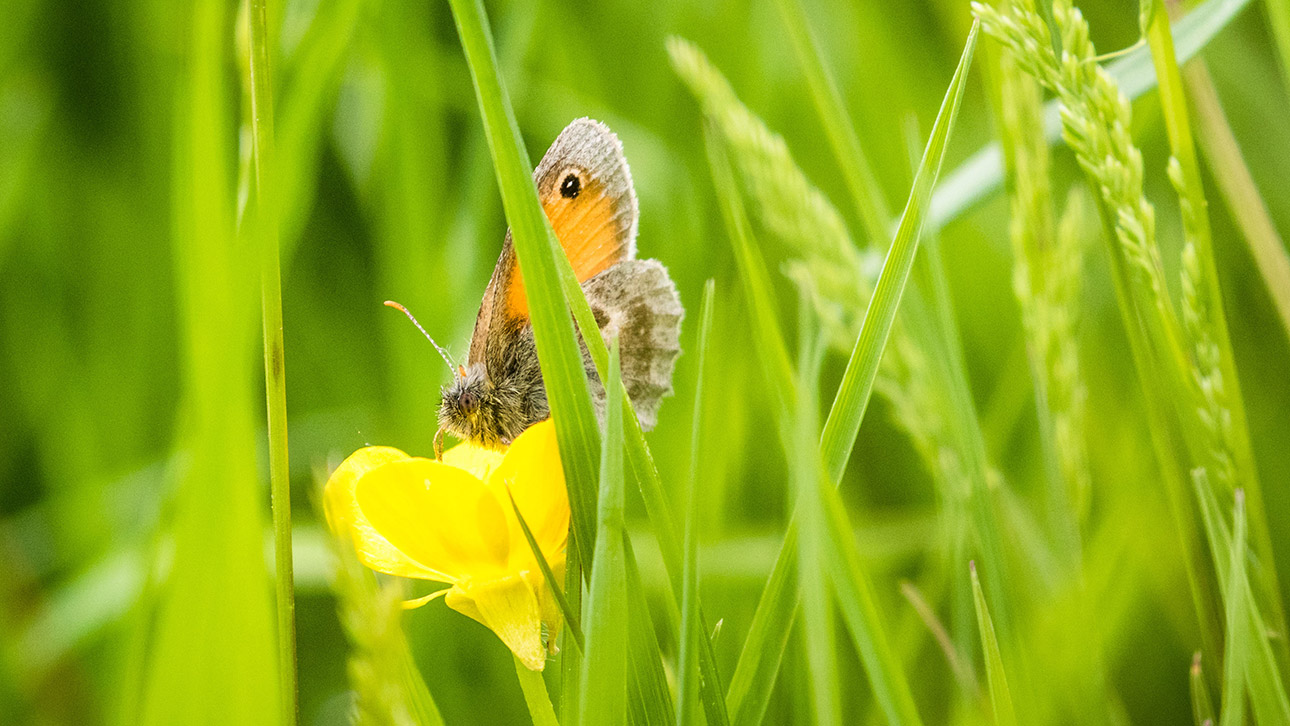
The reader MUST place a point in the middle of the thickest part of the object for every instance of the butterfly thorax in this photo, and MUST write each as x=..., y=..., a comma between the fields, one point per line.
x=486, y=412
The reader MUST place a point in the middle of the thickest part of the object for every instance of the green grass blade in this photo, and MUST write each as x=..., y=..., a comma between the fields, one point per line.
x=981, y=175
x=275, y=377
x=535, y=695
x=577, y=432
x=866, y=193
x=768, y=636
x=217, y=580
x=1235, y=659
x=687, y=669
x=1196, y=232
x=1268, y=695
x=857, y=383
x=1000, y=697
x=570, y=617
x=860, y=611
x=1202, y=708
x=571, y=653
x=604, y=669
x=648, y=699
x=1231, y=175
x=647, y=477
x=805, y=476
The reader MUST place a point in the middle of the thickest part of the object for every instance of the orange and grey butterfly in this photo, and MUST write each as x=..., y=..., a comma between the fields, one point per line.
x=586, y=191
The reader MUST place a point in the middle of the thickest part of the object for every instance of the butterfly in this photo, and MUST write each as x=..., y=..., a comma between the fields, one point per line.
x=586, y=191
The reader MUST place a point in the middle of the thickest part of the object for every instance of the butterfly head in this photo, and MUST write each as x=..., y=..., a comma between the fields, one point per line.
x=473, y=409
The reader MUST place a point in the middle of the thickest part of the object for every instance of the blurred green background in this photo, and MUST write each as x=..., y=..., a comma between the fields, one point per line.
x=387, y=192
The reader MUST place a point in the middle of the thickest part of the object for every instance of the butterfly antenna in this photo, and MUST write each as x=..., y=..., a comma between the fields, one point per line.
x=442, y=353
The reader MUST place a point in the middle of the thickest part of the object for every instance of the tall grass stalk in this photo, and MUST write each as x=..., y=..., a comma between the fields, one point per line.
x=275, y=377
x=1046, y=281
x=687, y=666
x=1232, y=177
x=216, y=583
x=1214, y=362
x=537, y=248
x=1095, y=117
x=604, y=668
x=755, y=671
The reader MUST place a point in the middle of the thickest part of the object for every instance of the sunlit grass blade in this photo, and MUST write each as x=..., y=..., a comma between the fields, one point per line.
x=857, y=383
x=604, y=667
x=859, y=610
x=866, y=193
x=217, y=581
x=563, y=374
x=981, y=175
x=687, y=668
x=1000, y=696
x=1202, y=708
x=1235, y=659
x=571, y=619
x=757, y=665
x=266, y=231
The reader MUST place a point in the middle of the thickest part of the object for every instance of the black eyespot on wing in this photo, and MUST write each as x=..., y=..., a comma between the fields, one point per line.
x=570, y=187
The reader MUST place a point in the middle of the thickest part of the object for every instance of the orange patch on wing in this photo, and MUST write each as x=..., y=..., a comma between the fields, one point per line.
x=588, y=234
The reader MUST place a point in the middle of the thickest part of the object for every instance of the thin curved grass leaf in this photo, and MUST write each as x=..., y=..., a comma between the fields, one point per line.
x=1000, y=696
x=577, y=431
x=857, y=382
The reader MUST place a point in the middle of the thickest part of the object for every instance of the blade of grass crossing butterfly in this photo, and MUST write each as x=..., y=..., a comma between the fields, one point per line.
x=651, y=487
x=1000, y=697
x=687, y=670
x=577, y=431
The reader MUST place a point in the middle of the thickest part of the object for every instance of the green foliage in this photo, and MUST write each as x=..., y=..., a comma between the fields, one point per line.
x=1025, y=376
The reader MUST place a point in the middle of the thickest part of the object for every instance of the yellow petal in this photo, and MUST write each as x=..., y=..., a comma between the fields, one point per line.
x=418, y=602
x=439, y=516
x=531, y=469
x=346, y=519
x=509, y=608
x=478, y=460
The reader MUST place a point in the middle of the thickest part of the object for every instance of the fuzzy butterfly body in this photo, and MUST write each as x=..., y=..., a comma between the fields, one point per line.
x=586, y=191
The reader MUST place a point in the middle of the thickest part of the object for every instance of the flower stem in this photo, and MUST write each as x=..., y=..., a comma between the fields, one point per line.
x=275, y=382
x=535, y=695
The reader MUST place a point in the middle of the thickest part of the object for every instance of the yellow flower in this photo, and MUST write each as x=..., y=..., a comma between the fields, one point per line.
x=451, y=521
